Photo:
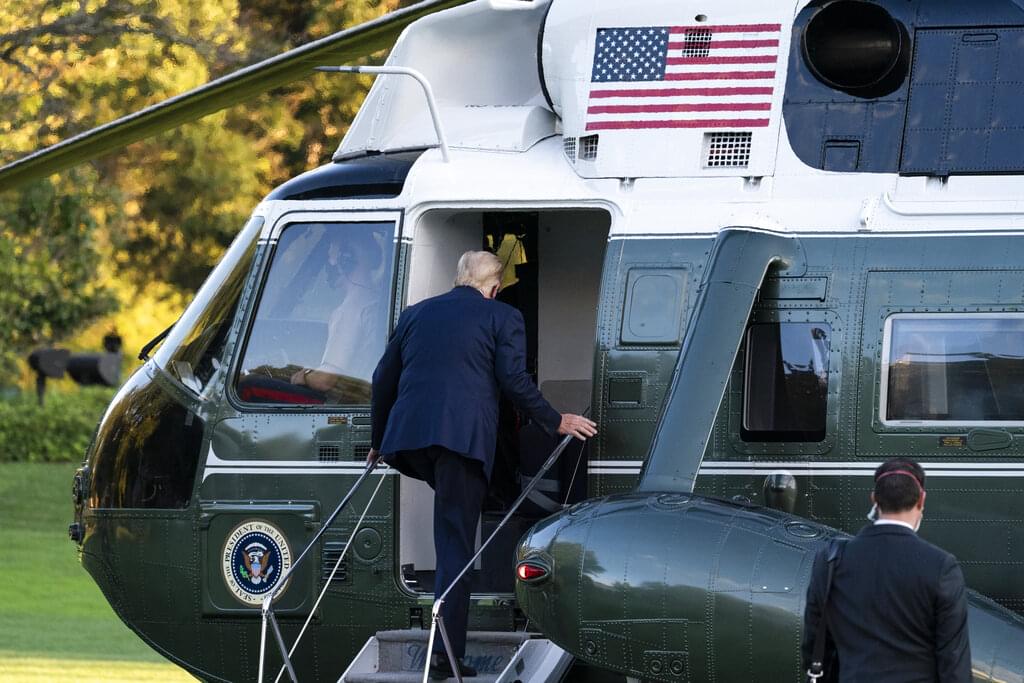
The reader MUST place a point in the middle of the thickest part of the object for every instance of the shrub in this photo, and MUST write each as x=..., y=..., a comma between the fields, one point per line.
x=58, y=431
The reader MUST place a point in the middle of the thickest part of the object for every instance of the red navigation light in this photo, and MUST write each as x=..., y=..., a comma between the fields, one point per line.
x=530, y=571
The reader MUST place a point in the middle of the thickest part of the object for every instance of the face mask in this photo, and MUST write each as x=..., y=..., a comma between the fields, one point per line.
x=872, y=513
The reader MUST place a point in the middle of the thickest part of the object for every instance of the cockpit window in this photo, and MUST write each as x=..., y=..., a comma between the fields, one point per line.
x=192, y=350
x=322, y=320
x=954, y=368
x=785, y=396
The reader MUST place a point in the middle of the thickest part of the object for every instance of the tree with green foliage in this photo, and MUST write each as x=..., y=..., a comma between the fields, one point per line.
x=152, y=220
x=49, y=260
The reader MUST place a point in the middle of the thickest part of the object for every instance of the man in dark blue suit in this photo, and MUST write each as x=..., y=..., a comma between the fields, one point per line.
x=435, y=415
x=897, y=607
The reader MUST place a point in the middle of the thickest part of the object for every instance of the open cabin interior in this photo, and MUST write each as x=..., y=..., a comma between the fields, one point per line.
x=553, y=276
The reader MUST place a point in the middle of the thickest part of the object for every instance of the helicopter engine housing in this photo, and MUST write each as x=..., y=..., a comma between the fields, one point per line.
x=662, y=586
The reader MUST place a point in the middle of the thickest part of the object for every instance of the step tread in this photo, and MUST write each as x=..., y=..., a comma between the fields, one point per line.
x=422, y=635
x=408, y=677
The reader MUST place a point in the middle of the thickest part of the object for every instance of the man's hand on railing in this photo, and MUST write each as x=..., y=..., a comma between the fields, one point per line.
x=372, y=457
x=577, y=426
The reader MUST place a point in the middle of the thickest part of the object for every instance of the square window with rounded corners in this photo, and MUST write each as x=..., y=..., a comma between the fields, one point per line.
x=655, y=301
x=953, y=369
x=322, y=319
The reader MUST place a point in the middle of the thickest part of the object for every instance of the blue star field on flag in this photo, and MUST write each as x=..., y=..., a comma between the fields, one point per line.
x=630, y=54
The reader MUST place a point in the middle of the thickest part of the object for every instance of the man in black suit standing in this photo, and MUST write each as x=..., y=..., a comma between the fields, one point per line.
x=435, y=415
x=897, y=607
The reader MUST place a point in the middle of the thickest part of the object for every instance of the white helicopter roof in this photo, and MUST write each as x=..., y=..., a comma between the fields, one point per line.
x=656, y=150
x=812, y=202
x=482, y=61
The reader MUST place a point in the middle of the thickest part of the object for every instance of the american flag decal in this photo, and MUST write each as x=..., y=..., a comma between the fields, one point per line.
x=683, y=77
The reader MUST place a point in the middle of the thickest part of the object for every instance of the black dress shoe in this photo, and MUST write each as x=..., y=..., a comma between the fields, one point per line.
x=441, y=669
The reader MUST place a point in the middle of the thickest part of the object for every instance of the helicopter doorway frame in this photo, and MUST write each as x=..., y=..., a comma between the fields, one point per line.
x=569, y=249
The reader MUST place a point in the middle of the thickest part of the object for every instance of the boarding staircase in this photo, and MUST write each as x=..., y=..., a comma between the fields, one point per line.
x=400, y=656
x=498, y=657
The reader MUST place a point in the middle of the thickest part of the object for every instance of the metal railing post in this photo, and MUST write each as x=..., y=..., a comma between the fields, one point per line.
x=437, y=621
x=327, y=583
x=281, y=645
x=267, y=608
x=437, y=625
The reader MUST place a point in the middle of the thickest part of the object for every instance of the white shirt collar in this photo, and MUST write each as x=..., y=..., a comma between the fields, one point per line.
x=893, y=521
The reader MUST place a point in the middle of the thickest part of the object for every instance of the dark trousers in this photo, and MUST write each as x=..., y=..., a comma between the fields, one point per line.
x=459, y=488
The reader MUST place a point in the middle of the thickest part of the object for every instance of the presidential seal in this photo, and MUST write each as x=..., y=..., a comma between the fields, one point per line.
x=255, y=557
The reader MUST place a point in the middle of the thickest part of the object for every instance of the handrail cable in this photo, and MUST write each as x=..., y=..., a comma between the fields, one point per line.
x=334, y=571
x=436, y=621
x=267, y=609
x=565, y=501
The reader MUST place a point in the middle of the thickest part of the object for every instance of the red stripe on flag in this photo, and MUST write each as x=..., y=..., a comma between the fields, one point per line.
x=721, y=44
x=695, y=123
x=720, y=76
x=682, y=92
x=752, y=59
x=733, y=28
x=668, y=108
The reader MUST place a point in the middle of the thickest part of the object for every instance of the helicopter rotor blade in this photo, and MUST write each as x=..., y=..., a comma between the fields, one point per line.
x=221, y=93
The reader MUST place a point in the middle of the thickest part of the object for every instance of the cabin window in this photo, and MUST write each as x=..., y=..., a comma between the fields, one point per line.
x=322, y=320
x=192, y=351
x=785, y=394
x=655, y=298
x=953, y=368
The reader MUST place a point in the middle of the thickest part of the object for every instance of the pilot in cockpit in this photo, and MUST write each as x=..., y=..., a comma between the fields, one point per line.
x=357, y=268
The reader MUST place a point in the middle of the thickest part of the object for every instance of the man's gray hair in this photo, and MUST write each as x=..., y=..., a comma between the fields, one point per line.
x=478, y=269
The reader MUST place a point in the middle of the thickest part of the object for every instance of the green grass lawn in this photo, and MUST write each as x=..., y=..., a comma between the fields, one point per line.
x=54, y=622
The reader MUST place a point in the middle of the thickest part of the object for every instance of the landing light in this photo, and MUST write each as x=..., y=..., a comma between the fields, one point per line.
x=531, y=571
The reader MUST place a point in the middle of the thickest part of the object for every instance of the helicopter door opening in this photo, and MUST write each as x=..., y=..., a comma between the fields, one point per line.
x=552, y=275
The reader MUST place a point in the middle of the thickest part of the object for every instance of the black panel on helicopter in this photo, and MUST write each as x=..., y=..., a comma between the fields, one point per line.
x=893, y=86
x=966, y=99
x=374, y=176
x=146, y=449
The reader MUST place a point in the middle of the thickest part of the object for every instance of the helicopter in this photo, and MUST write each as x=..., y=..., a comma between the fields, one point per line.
x=770, y=246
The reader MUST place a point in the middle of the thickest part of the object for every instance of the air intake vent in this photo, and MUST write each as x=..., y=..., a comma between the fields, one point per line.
x=697, y=42
x=329, y=453
x=569, y=146
x=332, y=551
x=360, y=451
x=727, y=150
x=859, y=48
x=588, y=147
